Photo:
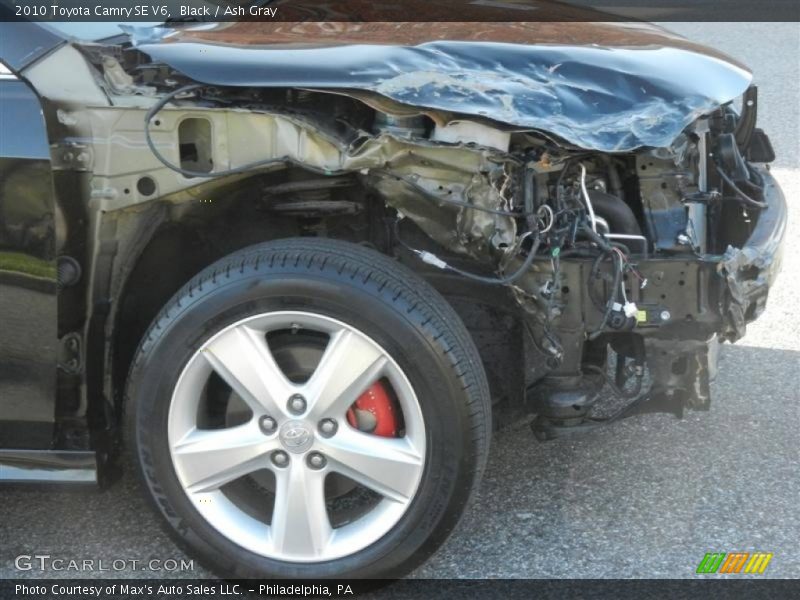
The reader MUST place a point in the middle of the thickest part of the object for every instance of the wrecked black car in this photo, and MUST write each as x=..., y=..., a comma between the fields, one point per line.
x=292, y=270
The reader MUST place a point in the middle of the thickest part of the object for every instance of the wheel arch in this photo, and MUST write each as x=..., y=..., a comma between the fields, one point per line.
x=163, y=244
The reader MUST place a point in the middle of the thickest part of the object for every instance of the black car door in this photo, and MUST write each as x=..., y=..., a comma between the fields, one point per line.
x=28, y=291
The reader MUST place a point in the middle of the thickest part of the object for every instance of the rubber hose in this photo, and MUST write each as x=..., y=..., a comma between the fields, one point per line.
x=619, y=215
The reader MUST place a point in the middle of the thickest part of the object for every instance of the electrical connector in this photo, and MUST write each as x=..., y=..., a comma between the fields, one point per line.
x=432, y=259
x=630, y=309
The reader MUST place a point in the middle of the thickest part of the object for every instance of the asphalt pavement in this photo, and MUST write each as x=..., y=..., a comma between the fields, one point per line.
x=647, y=497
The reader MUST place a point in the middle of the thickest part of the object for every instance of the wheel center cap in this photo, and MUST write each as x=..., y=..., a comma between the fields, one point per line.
x=296, y=436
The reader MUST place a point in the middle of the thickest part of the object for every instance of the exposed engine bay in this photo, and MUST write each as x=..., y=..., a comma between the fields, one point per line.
x=639, y=238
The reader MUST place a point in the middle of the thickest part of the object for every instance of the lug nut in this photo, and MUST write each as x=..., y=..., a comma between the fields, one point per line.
x=328, y=427
x=297, y=404
x=280, y=458
x=316, y=460
x=267, y=424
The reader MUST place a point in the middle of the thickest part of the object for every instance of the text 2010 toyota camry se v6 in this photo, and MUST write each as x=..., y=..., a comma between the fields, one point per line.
x=289, y=271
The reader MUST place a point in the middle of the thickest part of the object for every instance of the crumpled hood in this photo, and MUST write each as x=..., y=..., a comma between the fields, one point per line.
x=640, y=88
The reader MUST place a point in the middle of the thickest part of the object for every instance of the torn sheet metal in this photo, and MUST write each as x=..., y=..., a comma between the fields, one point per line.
x=751, y=270
x=600, y=97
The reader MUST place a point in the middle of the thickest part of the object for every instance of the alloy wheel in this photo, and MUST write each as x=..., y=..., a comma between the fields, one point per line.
x=289, y=435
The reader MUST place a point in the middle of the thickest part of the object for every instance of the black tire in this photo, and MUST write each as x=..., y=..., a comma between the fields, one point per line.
x=364, y=289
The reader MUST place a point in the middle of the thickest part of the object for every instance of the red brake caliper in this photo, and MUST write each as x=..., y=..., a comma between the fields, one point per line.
x=375, y=412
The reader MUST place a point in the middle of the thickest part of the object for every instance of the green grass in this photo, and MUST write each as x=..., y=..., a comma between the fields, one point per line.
x=17, y=262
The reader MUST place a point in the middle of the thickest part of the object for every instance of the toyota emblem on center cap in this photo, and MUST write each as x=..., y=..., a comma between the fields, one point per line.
x=296, y=436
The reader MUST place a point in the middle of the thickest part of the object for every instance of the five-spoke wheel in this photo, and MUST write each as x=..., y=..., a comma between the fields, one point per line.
x=308, y=408
x=297, y=430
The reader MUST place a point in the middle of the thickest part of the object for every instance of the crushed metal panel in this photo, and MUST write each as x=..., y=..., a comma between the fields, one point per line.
x=750, y=271
x=605, y=98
